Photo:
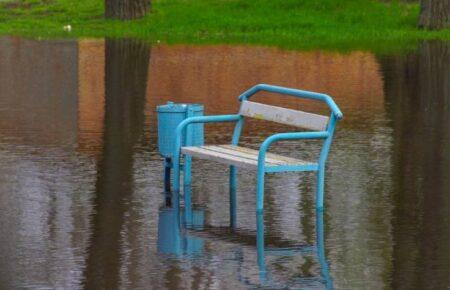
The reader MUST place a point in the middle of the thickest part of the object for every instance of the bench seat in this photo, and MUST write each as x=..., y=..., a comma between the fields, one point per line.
x=244, y=157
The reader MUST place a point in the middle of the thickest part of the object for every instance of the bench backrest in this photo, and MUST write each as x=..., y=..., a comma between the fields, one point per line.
x=284, y=116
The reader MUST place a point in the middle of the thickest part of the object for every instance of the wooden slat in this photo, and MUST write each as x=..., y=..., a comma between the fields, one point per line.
x=243, y=154
x=269, y=156
x=204, y=153
x=239, y=156
x=284, y=116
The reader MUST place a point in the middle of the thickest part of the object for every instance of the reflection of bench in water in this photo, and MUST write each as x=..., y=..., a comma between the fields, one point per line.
x=187, y=242
x=245, y=238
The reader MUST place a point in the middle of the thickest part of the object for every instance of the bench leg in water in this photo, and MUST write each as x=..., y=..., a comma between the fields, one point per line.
x=176, y=174
x=187, y=189
x=260, y=245
x=188, y=212
x=260, y=222
x=260, y=190
x=176, y=184
x=187, y=170
x=233, y=186
x=320, y=188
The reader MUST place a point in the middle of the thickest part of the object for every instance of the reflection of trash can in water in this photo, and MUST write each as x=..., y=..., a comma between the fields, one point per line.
x=169, y=117
x=172, y=239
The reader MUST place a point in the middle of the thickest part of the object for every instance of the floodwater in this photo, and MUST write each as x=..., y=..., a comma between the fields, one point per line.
x=81, y=180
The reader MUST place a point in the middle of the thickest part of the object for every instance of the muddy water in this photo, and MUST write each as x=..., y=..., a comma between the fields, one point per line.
x=81, y=193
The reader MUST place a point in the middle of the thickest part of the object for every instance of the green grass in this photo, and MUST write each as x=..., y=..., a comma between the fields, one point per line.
x=297, y=24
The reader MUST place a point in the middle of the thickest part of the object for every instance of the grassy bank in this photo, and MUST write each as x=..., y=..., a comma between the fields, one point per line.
x=303, y=24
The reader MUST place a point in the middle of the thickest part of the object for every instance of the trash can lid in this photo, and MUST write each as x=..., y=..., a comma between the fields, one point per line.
x=171, y=107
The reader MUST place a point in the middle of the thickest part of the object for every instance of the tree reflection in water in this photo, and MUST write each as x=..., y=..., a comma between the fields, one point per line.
x=417, y=90
x=126, y=70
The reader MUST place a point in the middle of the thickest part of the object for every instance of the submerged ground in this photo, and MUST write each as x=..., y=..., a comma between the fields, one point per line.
x=81, y=187
x=382, y=26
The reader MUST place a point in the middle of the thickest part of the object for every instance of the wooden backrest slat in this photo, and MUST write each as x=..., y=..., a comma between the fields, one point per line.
x=284, y=116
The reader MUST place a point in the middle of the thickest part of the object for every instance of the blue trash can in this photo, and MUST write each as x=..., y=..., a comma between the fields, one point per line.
x=169, y=116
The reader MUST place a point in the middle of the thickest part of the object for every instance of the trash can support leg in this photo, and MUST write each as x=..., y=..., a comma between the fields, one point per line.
x=167, y=166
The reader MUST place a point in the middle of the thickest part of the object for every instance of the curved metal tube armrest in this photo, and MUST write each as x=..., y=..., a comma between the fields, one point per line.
x=287, y=136
x=179, y=133
x=201, y=119
x=294, y=92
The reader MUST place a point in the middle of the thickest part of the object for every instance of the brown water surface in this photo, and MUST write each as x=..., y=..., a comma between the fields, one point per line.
x=81, y=187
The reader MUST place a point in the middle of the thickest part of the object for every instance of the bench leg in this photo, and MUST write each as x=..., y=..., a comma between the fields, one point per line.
x=260, y=190
x=233, y=186
x=187, y=189
x=260, y=244
x=187, y=170
x=260, y=221
x=320, y=188
x=176, y=174
x=188, y=212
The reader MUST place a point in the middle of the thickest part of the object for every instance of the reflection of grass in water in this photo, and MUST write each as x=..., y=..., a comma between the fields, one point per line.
x=305, y=24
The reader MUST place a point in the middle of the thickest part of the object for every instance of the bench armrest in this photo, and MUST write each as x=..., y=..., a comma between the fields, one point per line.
x=201, y=119
x=179, y=134
x=287, y=136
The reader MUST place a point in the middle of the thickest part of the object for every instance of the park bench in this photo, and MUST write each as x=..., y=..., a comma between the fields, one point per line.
x=321, y=127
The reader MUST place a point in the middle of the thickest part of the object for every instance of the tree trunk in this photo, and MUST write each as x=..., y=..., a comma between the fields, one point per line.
x=126, y=9
x=434, y=14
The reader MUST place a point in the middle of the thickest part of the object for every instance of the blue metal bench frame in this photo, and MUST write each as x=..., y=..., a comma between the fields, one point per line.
x=319, y=167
